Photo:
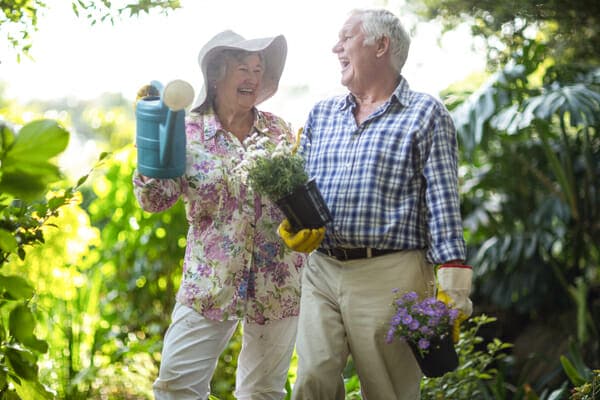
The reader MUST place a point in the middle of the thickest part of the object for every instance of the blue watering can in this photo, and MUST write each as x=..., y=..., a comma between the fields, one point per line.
x=160, y=130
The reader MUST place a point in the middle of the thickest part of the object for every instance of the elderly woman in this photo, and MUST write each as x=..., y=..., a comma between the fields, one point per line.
x=236, y=268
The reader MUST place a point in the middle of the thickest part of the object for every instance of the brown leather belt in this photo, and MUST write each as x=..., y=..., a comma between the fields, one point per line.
x=344, y=254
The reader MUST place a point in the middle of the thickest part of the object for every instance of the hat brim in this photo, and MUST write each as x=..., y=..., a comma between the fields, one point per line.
x=274, y=50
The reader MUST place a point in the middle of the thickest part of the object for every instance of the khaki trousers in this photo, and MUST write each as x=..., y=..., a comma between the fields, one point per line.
x=345, y=310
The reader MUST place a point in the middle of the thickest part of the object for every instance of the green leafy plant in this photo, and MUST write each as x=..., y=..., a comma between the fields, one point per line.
x=27, y=166
x=537, y=120
x=476, y=375
x=586, y=381
x=589, y=390
x=272, y=169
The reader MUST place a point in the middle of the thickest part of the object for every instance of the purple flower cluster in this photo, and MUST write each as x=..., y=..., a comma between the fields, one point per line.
x=420, y=321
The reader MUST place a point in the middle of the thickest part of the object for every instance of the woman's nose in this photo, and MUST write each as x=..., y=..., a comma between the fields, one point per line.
x=253, y=79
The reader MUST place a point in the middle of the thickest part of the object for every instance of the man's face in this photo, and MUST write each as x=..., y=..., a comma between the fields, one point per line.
x=355, y=58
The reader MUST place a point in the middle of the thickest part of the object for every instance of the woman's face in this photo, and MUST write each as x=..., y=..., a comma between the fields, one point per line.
x=240, y=86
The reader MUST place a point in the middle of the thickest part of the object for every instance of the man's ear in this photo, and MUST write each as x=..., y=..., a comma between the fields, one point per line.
x=383, y=46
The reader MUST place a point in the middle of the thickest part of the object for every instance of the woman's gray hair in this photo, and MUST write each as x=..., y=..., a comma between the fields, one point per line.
x=378, y=23
x=216, y=68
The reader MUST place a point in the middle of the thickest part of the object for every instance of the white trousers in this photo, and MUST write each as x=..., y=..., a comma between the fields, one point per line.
x=346, y=309
x=193, y=344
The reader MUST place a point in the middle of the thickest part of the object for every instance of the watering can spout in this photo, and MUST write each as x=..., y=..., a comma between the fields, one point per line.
x=160, y=130
x=176, y=96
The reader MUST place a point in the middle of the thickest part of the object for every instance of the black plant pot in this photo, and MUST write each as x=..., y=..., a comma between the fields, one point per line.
x=440, y=358
x=305, y=207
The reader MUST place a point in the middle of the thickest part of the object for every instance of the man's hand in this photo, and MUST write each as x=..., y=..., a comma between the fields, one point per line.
x=304, y=241
x=454, y=287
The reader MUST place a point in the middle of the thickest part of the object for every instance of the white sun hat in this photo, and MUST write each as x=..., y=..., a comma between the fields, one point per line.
x=273, y=49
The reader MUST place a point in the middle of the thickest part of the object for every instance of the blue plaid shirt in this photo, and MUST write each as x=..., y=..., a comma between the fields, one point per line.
x=391, y=182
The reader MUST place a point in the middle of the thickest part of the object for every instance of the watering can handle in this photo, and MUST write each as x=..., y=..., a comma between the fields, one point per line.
x=159, y=86
x=166, y=137
x=177, y=95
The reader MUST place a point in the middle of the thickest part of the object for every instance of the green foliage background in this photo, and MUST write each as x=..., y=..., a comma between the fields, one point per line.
x=88, y=280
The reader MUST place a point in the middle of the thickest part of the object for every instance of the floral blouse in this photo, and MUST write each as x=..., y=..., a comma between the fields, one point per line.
x=235, y=265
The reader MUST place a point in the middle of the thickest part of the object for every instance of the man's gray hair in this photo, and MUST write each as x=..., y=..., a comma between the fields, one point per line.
x=377, y=23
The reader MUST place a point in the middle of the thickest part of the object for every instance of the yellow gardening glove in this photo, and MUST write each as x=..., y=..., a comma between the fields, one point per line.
x=304, y=241
x=442, y=296
x=454, y=287
x=298, y=139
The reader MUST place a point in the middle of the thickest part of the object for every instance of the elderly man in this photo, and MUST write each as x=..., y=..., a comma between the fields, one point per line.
x=385, y=159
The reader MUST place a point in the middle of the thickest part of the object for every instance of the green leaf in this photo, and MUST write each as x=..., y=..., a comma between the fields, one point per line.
x=565, y=183
x=3, y=371
x=81, y=181
x=17, y=287
x=26, y=166
x=38, y=141
x=34, y=390
x=7, y=137
x=8, y=242
x=25, y=186
x=21, y=325
x=39, y=168
x=571, y=372
x=580, y=103
x=22, y=361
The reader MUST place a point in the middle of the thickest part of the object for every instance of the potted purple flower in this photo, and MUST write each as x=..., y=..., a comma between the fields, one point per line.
x=426, y=327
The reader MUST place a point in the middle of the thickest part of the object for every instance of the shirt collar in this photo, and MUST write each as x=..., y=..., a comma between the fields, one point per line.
x=213, y=124
x=401, y=94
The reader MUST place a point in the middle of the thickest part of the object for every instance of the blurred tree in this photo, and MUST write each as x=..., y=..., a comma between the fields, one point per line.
x=570, y=29
x=106, y=283
x=108, y=119
x=530, y=148
x=19, y=18
x=27, y=167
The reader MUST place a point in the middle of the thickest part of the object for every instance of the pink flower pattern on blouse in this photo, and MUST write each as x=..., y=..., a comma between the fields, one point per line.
x=235, y=264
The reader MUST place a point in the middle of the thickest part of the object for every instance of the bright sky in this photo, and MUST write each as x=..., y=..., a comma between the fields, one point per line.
x=71, y=58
